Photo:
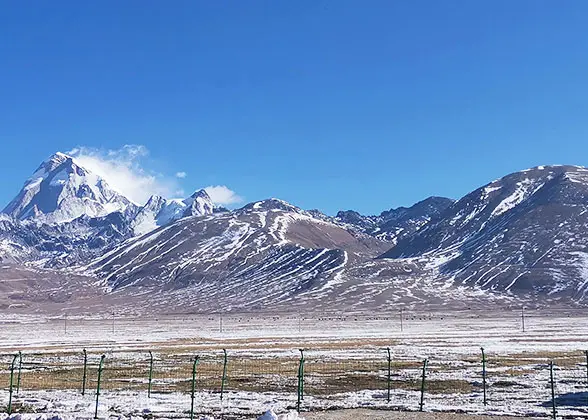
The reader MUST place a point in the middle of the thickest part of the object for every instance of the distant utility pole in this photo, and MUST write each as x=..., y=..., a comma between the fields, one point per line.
x=401, y=319
x=113, y=322
x=221, y=322
x=523, y=317
x=65, y=324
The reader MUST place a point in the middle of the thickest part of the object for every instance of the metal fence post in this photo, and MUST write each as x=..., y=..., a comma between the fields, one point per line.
x=150, y=373
x=85, y=375
x=389, y=372
x=100, y=367
x=19, y=372
x=423, y=385
x=11, y=384
x=300, y=380
x=302, y=375
x=552, y=383
x=224, y=378
x=196, y=360
x=484, y=374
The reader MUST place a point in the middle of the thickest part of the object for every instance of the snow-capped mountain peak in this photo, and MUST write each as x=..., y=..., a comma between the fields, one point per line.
x=271, y=204
x=198, y=204
x=61, y=190
x=159, y=211
x=154, y=203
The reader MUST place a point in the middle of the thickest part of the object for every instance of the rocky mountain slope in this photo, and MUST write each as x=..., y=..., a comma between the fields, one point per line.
x=523, y=234
x=61, y=245
x=264, y=252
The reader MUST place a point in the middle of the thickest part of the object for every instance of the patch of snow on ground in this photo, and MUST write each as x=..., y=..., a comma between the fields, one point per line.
x=270, y=415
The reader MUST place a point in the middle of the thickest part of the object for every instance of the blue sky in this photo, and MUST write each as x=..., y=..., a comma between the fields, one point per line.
x=326, y=104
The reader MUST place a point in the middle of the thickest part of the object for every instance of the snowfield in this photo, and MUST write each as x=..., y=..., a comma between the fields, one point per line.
x=345, y=363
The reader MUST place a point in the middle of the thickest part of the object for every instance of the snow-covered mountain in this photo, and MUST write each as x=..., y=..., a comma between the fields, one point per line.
x=524, y=234
x=521, y=238
x=65, y=215
x=264, y=253
x=61, y=190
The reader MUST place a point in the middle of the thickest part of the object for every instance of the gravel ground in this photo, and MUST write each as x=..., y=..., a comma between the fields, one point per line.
x=396, y=415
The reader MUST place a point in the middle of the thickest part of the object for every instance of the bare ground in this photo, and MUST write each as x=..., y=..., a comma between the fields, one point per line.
x=358, y=414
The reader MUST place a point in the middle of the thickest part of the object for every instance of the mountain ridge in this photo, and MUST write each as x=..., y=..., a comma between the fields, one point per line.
x=396, y=223
x=514, y=234
x=520, y=238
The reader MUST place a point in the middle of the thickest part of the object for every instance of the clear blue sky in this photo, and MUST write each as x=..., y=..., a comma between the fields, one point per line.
x=327, y=104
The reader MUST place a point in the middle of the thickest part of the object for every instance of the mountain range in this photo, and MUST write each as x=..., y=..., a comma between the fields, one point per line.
x=70, y=242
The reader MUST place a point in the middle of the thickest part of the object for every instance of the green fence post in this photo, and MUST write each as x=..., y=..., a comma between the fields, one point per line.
x=11, y=384
x=19, y=372
x=389, y=371
x=302, y=376
x=423, y=384
x=85, y=372
x=484, y=374
x=98, y=384
x=150, y=373
x=224, y=378
x=298, y=390
x=196, y=359
x=300, y=380
x=552, y=383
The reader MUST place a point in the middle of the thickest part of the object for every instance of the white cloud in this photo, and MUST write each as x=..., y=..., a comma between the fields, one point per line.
x=124, y=171
x=222, y=195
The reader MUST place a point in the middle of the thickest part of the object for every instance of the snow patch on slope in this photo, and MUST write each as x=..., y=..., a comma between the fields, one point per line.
x=524, y=189
x=582, y=266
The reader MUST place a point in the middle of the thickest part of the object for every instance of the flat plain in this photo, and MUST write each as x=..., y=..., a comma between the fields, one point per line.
x=345, y=364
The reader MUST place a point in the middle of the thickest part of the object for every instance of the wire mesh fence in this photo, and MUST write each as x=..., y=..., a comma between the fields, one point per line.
x=346, y=363
x=522, y=377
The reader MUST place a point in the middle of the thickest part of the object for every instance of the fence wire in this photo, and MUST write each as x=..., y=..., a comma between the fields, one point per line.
x=324, y=377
